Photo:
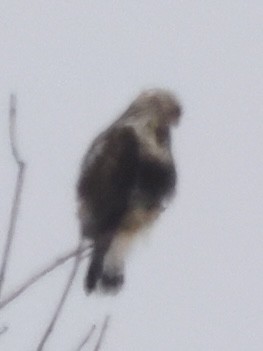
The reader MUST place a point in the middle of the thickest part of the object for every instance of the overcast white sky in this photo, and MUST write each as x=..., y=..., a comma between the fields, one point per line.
x=195, y=282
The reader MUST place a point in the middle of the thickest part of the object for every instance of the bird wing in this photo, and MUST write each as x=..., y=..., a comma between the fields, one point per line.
x=108, y=181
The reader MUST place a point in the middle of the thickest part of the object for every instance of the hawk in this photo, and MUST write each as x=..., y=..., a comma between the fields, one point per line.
x=127, y=178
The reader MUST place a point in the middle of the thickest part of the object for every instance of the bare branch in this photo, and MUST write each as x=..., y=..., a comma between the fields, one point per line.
x=58, y=262
x=79, y=254
x=62, y=300
x=18, y=191
x=86, y=339
x=102, y=333
x=12, y=130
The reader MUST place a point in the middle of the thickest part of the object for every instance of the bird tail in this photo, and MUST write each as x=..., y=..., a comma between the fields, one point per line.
x=106, y=269
x=95, y=270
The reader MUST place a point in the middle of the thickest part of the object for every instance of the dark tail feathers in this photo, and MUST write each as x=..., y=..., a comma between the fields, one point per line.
x=95, y=271
x=110, y=281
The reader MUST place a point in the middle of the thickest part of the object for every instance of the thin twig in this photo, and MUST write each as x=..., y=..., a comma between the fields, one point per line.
x=58, y=262
x=86, y=339
x=12, y=130
x=102, y=333
x=18, y=191
x=62, y=300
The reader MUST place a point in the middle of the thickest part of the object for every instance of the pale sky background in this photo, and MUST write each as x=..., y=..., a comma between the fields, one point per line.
x=195, y=283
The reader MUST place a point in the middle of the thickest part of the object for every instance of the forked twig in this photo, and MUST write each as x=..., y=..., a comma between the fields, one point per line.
x=62, y=300
x=102, y=333
x=18, y=191
x=86, y=339
x=79, y=254
x=58, y=262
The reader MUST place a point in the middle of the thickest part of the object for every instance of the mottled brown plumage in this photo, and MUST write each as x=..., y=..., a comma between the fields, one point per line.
x=127, y=176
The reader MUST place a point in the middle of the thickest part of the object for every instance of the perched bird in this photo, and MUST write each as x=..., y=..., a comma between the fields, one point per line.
x=126, y=179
